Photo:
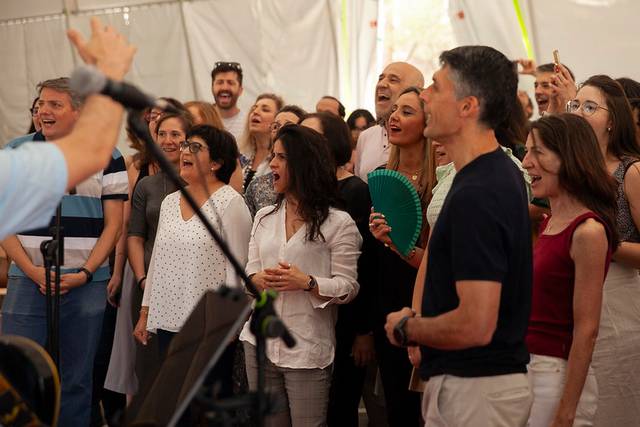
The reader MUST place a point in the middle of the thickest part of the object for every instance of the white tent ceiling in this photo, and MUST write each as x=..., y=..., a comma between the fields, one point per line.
x=294, y=48
x=300, y=49
x=592, y=36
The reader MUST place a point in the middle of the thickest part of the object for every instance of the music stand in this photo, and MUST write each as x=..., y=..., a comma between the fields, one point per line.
x=193, y=352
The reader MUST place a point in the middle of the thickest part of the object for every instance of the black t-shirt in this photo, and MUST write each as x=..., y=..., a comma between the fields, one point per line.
x=482, y=233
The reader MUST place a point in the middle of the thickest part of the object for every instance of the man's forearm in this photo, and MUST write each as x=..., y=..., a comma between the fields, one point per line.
x=449, y=331
x=16, y=252
x=103, y=247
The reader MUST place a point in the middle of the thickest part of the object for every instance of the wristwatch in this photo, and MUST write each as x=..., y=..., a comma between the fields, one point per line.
x=311, y=284
x=400, y=334
x=88, y=274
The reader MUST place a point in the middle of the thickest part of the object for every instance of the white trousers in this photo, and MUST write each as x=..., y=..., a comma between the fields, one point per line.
x=547, y=377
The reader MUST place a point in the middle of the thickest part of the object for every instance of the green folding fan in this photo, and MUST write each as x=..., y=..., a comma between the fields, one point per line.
x=393, y=195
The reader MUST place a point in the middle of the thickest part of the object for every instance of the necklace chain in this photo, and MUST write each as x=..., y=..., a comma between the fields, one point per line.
x=414, y=175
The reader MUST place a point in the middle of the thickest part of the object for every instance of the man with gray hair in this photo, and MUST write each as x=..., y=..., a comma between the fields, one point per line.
x=92, y=220
x=477, y=286
x=372, y=149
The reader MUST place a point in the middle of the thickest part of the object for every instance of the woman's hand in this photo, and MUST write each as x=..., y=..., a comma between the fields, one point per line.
x=362, y=350
x=286, y=277
x=113, y=289
x=379, y=227
x=259, y=279
x=140, y=332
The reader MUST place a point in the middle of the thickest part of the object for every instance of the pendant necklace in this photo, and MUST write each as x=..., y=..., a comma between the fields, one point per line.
x=413, y=175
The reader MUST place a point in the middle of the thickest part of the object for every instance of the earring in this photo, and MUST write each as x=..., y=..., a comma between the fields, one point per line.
x=609, y=129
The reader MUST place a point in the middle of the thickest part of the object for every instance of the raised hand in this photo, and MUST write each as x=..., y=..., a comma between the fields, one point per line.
x=106, y=49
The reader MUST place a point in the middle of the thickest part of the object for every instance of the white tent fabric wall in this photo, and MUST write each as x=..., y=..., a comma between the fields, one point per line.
x=286, y=47
x=290, y=47
x=30, y=52
x=360, y=65
x=492, y=24
x=592, y=36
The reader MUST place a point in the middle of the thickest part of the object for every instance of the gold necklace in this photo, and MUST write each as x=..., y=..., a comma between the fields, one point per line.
x=414, y=175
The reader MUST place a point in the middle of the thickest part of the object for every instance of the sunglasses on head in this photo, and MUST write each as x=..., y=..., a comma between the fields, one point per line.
x=233, y=65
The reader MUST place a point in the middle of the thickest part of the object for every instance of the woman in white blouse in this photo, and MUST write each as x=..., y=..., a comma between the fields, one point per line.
x=307, y=251
x=186, y=261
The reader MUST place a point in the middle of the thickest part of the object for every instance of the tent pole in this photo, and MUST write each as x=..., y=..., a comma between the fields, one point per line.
x=66, y=6
x=186, y=39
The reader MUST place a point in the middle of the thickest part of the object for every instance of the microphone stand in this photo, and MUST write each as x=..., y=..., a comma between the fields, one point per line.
x=265, y=323
x=53, y=255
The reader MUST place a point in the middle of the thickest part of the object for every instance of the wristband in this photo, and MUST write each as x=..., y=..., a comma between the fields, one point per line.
x=400, y=334
x=87, y=273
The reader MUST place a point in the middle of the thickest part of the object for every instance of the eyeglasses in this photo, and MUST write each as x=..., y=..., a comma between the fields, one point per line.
x=233, y=65
x=194, y=147
x=588, y=107
x=275, y=126
x=151, y=116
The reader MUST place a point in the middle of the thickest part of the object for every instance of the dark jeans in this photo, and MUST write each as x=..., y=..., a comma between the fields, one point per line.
x=81, y=313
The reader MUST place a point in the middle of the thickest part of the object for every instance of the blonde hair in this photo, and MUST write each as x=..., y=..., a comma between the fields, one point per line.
x=208, y=112
x=426, y=176
x=247, y=143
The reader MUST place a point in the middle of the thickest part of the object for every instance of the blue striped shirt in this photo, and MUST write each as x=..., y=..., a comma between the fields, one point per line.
x=82, y=216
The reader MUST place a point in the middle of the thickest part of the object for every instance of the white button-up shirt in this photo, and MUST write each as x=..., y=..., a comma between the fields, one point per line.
x=332, y=262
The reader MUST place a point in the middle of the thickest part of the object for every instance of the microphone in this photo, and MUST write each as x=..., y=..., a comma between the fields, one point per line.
x=87, y=80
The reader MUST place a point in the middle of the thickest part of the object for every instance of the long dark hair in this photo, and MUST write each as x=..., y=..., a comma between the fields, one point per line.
x=513, y=129
x=622, y=137
x=312, y=176
x=583, y=172
x=336, y=132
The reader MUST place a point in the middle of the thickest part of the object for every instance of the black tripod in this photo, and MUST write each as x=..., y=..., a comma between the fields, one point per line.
x=265, y=322
x=53, y=255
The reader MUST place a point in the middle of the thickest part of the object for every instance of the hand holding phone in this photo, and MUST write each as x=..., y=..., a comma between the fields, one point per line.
x=556, y=61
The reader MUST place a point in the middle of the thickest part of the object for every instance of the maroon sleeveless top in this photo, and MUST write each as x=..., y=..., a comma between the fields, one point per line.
x=550, y=330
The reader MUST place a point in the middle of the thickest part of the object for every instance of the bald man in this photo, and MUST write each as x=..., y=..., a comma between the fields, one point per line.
x=373, y=146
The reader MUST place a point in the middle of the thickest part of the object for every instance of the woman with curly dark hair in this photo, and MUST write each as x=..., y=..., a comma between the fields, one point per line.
x=306, y=250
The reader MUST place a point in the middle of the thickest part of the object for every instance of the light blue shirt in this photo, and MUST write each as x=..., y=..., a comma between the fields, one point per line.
x=33, y=179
